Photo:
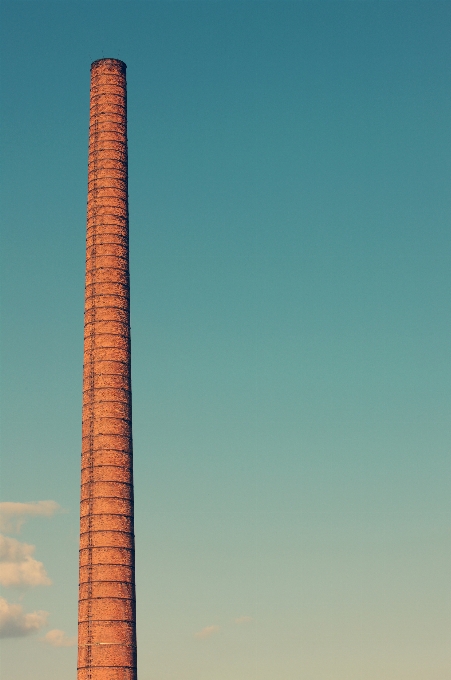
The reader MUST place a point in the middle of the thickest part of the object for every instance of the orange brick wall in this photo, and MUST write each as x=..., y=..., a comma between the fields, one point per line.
x=107, y=625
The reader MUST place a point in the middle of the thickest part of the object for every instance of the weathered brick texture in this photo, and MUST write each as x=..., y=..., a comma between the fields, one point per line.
x=107, y=619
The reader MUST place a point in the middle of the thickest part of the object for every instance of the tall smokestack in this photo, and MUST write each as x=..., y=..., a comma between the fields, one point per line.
x=107, y=620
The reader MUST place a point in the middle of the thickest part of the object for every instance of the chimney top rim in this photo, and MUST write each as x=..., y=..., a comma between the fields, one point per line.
x=109, y=59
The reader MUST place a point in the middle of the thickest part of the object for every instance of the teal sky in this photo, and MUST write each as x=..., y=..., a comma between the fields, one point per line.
x=290, y=210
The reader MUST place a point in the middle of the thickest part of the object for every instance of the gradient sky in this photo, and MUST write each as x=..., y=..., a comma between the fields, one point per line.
x=290, y=206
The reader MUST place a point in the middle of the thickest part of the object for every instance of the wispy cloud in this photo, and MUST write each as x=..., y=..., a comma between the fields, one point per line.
x=13, y=515
x=243, y=619
x=15, y=623
x=206, y=632
x=18, y=568
x=58, y=638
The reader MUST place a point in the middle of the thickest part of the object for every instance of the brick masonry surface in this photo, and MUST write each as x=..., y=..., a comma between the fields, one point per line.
x=106, y=614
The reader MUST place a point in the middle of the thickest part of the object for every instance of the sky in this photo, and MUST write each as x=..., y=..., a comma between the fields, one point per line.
x=289, y=183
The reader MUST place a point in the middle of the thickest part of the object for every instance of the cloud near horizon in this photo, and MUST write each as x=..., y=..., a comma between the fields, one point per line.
x=13, y=515
x=243, y=619
x=17, y=566
x=58, y=638
x=206, y=632
x=15, y=623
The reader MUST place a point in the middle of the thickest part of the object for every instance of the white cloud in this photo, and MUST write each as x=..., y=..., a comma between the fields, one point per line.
x=17, y=566
x=206, y=632
x=243, y=619
x=14, y=623
x=13, y=515
x=58, y=638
